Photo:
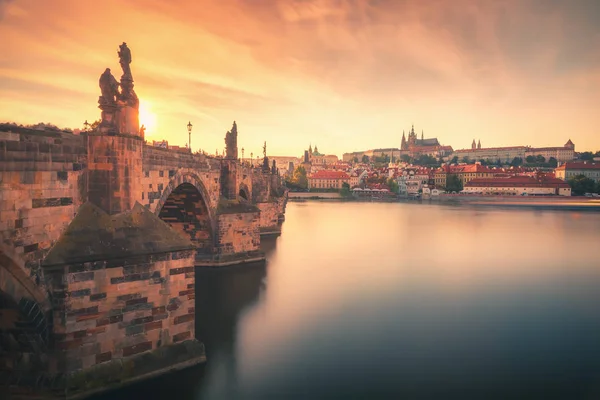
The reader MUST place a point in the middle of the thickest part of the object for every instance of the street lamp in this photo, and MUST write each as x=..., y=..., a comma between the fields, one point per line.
x=189, y=126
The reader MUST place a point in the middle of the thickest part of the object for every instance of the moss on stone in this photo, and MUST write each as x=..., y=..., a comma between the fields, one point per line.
x=235, y=206
x=94, y=235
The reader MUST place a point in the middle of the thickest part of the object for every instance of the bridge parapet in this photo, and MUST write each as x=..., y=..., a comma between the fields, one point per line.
x=42, y=184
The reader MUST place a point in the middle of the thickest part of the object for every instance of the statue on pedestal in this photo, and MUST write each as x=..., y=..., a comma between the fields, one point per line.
x=274, y=168
x=109, y=87
x=125, y=59
x=231, y=142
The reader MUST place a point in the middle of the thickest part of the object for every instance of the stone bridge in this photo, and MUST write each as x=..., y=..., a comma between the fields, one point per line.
x=100, y=236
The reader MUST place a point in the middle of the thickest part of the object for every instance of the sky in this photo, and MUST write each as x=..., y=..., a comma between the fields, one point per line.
x=346, y=75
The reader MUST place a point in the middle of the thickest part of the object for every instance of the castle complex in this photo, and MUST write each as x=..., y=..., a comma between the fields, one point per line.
x=415, y=148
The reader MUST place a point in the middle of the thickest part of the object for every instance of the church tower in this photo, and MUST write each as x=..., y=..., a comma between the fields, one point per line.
x=473, y=145
x=412, y=136
x=479, y=144
x=422, y=135
x=403, y=145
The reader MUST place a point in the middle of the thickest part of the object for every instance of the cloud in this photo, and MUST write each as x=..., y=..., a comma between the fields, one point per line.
x=352, y=73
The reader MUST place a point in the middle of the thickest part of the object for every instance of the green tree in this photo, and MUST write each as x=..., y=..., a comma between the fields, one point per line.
x=540, y=159
x=581, y=184
x=466, y=160
x=530, y=159
x=393, y=185
x=406, y=158
x=517, y=161
x=586, y=156
x=597, y=187
x=345, y=192
x=365, y=159
x=453, y=183
x=355, y=160
x=454, y=160
x=300, y=179
x=552, y=162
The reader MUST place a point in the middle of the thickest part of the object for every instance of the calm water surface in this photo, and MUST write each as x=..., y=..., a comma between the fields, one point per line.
x=415, y=301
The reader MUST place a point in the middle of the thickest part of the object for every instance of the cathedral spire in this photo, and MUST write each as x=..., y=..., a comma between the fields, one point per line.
x=422, y=135
x=479, y=144
x=473, y=145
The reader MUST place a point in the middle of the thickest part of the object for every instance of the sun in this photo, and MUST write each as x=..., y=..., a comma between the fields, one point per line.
x=147, y=117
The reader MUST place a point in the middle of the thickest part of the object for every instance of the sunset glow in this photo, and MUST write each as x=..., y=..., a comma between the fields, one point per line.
x=346, y=75
x=148, y=118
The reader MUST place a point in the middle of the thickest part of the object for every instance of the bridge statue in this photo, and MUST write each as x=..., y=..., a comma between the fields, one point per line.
x=100, y=238
x=125, y=59
x=109, y=87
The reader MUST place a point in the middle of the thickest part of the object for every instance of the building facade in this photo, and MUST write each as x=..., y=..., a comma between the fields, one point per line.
x=561, y=154
x=569, y=170
x=518, y=185
x=326, y=179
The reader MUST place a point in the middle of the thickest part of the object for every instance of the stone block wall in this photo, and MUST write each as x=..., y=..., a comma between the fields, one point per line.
x=269, y=216
x=114, y=169
x=42, y=184
x=164, y=170
x=261, y=186
x=238, y=233
x=244, y=179
x=107, y=311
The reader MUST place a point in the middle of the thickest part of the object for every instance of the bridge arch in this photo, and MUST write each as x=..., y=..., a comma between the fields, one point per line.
x=185, y=206
x=244, y=193
x=25, y=313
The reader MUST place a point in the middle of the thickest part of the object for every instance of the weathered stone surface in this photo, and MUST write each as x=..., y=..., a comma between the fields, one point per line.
x=94, y=235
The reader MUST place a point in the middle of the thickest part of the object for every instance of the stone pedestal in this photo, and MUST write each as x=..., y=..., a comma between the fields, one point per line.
x=114, y=168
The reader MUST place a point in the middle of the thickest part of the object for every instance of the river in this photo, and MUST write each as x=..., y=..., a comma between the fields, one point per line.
x=402, y=300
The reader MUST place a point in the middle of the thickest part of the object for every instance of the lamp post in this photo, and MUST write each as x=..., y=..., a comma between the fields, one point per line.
x=189, y=126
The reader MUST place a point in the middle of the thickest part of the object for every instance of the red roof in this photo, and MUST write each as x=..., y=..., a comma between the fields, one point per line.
x=326, y=174
x=579, y=165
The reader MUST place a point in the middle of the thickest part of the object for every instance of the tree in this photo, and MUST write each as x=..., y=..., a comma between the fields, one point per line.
x=453, y=183
x=552, y=162
x=365, y=159
x=530, y=159
x=95, y=124
x=454, y=160
x=393, y=185
x=581, y=184
x=540, y=159
x=466, y=160
x=517, y=161
x=355, y=160
x=597, y=190
x=345, y=192
x=586, y=156
x=300, y=179
x=406, y=158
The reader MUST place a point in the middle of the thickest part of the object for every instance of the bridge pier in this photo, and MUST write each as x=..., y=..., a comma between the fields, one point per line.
x=124, y=300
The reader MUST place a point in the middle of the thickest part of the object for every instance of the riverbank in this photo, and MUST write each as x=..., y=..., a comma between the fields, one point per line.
x=552, y=203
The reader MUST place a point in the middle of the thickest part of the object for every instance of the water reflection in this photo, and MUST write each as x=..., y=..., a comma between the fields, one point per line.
x=413, y=301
